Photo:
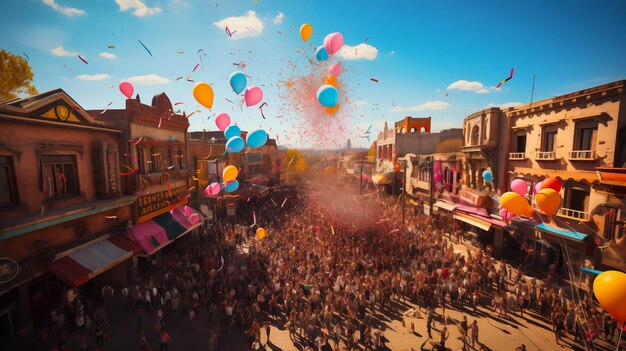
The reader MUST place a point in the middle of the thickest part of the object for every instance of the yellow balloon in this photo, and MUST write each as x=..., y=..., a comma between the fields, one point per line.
x=260, y=233
x=332, y=110
x=230, y=173
x=610, y=290
x=203, y=94
x=548, y=201
x=515, y=203
x=331, y=80
x=305, y=31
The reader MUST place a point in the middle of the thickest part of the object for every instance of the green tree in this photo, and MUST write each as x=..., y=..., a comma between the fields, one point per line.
x=16, y=76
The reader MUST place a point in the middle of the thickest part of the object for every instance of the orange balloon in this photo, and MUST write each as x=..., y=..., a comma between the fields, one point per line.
x=260, y=233
x=515, y=203
x=610, y=290
x=551, y=183
x=332, y=110
x=331, y=80
x=548, y=200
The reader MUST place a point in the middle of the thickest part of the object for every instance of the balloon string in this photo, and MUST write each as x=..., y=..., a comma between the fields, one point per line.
x=619, y=340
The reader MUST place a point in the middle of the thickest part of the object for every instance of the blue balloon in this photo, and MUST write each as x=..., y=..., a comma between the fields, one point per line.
x=232, y=131
x=321, y=54
x=231, y=186
x=238, y=82
x=256, y=138
x=327, y=95
x=235, y=144
x=488, y=176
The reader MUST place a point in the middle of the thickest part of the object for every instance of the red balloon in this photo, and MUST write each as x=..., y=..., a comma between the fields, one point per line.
x=551, y=183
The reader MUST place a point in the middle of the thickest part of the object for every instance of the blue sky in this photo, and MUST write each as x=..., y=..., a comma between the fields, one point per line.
x=417, y=50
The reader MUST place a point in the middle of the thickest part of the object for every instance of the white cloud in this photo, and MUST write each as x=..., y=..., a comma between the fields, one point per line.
x=68, y=11
x=139, y=7
x=360, y=52
x=466, y=85
x=438, y=90
x=148, y=79
x=482, y=91
x=99, y=76
x=60, y=51
x=245, y=26
x=505, y=105
x=279, y=18
x=427, y=106
x=108, y=55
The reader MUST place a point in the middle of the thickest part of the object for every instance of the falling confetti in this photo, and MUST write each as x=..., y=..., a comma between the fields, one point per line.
x=82, y=59
x=507, y=79
x=145, y=47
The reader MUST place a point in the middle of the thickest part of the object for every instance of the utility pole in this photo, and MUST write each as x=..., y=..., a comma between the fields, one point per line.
x=403, y=189
x=532, y=92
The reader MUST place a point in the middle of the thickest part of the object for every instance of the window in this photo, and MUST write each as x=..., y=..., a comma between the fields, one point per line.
x=141, y=159
x=549, y=138
x=413, y=130
x=402, y=130
x=60, y=176
x=179, y=158
x=475, y=135
x=586, y=137
x=577, y=199
x=154, y=165
x=255, y=169
x=8, y=186
x=448, y=179
x=520, y=143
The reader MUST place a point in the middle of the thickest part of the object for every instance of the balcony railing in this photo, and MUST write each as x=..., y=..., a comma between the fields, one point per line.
x=582, y=155
x=545, y=155
x=573, y=214
x=517, y=156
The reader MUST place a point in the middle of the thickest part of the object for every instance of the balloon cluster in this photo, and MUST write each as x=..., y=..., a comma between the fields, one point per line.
x=547, y=198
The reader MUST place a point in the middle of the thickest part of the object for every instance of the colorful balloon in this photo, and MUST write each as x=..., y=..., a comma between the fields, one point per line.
x=516, y=204
x=127, y=89
x=551, y=183
x=231, y=186
x=519, y=186
x=235, y=144
x=212, y=189
x=335, y=69
x=548, y=201
x=260, y=233
x=203, y=94
x=222, y=120
x=238, y=82
x=331, y=80
x=488, y=176
x=229, y=173
x=253, y=96
x=321, y=54
x=333, y=42
x=610, y=290
x=256, y=138
x=327, y=95
x=506, y=214
x=537, y=187
x=332, y=110
x=305, y=31
x=232, y=131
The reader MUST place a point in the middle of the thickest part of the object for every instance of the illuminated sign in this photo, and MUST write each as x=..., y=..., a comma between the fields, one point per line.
x=152, y=205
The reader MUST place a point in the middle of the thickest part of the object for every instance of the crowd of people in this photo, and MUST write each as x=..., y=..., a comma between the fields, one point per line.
x=332, y=267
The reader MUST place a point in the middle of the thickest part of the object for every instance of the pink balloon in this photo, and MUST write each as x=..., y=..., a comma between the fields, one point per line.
x=222, y=120
x=519, y=186
x=537, y=187
x=127, y=89
x=506, y=214
x=253, y=96
x=335, y=69
x=333, y=42
x=212, y=189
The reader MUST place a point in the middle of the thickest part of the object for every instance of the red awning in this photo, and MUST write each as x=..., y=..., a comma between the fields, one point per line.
x=612, y=176
x=85, y=263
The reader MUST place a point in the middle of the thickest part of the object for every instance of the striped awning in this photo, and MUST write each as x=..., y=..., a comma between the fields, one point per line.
x=473, y=220
x=160, y=231
x=84, y=264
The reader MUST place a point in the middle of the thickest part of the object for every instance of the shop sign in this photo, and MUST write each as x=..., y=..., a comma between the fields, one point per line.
x=152, y=205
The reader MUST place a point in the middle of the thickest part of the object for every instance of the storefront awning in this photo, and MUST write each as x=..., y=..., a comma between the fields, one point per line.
x=473, y=209
x=583, y=176
x=473, y=220
x=568, y=234
x=445, y=205
x=85, y=263
x=612, y=176
x=158, y=232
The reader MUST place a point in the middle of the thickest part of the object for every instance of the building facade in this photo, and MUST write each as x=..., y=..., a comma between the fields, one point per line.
x=62, y=205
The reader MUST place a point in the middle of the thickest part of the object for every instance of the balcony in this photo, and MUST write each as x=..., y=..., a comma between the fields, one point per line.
x=517, y=156
x=545, y=155
x=573, y=214
x=582, y=155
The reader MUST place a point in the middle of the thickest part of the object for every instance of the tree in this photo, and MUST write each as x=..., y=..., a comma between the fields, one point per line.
x=295, y=162
x=16, y=76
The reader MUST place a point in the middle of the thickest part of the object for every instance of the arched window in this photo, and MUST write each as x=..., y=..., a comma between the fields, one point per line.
x=141, y=159
x=448, y=179
x=422, y=130
x=154, y=159
x=475, y=135
x=402, y=131
x=413, y=130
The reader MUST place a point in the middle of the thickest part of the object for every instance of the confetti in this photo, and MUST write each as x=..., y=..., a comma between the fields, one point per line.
x=82, y=59
x=145, y=47
x=196, y=66
x=179, y=103
x=180, y=52
x=374, y=80
x=68, y=68
x=507, y=79
x=179, y=78
x=111, y=47
x=26, y=56
x=129, y=173
x=110, y=217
